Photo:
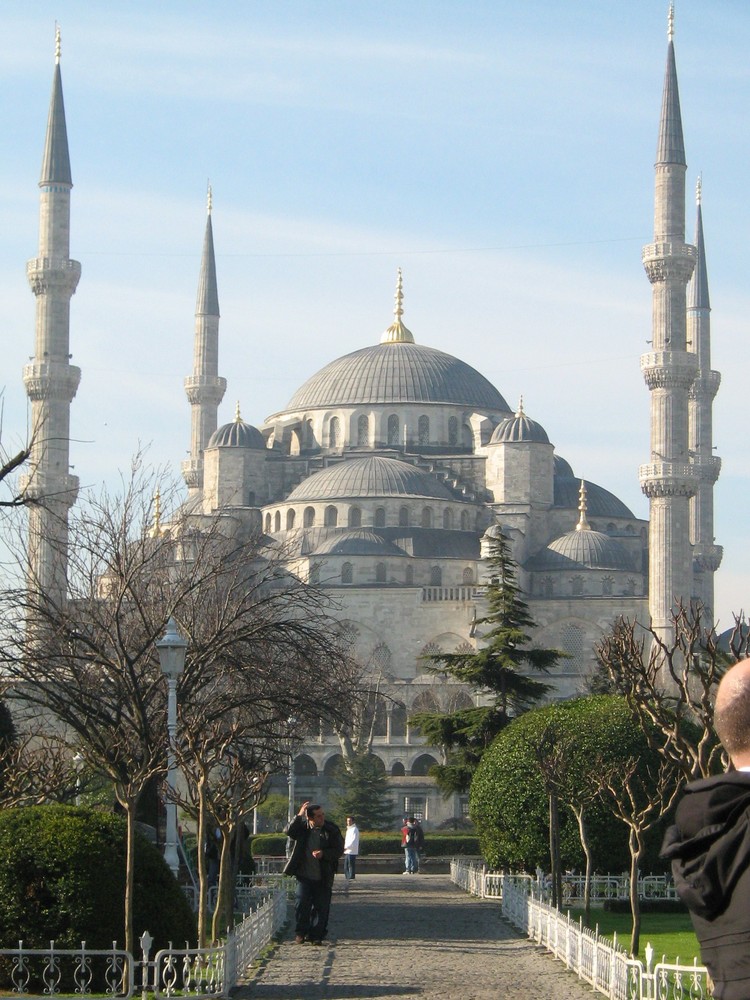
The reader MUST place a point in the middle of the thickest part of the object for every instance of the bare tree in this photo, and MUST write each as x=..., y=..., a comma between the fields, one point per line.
x=671, y=686
x=38, y=768
x=89, y=658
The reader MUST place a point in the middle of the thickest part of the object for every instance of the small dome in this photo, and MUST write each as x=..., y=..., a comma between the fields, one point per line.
x=358, y=542
x=563, y=468
x=369, y=477
x=601, y=503
x=518, y=428
x=583, y=549
x=238, y=434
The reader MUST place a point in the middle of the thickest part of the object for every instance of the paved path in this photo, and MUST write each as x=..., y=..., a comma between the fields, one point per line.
x=396, y=936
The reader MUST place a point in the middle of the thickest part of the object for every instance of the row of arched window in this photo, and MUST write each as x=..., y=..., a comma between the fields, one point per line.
x=425, y=518
x=381, y=575
x=305, y=766
x=393, y=431
x=576, y=587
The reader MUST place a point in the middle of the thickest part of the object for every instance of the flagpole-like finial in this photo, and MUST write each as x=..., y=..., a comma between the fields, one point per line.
x=209, y=198
x=583, y=521
x=57, y=44
x=670, y=22
x=398, y=312
x=237, y=417
x=699, y=189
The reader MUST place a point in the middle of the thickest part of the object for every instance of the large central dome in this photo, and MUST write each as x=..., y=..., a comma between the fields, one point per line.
x=397, y=373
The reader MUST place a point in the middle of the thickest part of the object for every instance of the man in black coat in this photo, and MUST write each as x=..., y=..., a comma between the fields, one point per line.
x=318, y=845
x=709, y=846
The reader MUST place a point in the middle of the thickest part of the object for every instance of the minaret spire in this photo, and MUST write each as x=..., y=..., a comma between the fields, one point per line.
x=668, y=480
x=583, y=509
x=706, y=554
x=204, y=388
x=51, y=381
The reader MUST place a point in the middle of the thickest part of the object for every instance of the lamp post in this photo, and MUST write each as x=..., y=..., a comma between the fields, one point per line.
x=171, y=649
x=292, y=722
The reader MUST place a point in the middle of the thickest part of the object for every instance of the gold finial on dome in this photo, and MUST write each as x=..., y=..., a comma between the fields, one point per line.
x=583, y=521
x=397, y=332
x=670, y=23
x=156, y=528
x=519, y=411
x=237, y=417
x=57, y=43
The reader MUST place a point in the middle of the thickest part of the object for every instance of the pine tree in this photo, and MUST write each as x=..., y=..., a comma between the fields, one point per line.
x=365, y=794
x=493, y=671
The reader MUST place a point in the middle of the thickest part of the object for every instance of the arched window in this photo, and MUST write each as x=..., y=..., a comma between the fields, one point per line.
x=548, y=587
x=421, y=766
x=363, y=430
x=289, y=520
x=334, y=433
x=409, y=576
x=334, y=766
x=380, y=573
x=347, y=573
x=380, y=721
x=468, y=575
x=453, y=431
x=576, y=586
x=380, y=517
x=447, y=518
x=398, y=722
x=277, y=521
x=393, y=429
x=427, y=517
x=423, y=430
x=403, y=517
x=305, y=765
x=397, y=771
x=309, y=517
x=572, y=642
x=607, y=586
x=464, y=520
x=308, y=432
x=268, y=524
x=331, y=517
x=436, y=576
x=355, y=517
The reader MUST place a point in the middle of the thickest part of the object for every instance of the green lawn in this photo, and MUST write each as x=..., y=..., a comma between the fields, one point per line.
x=670, y=934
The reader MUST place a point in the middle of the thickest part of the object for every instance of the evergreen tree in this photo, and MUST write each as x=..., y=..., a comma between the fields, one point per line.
x=494, y=671
x=365, y=793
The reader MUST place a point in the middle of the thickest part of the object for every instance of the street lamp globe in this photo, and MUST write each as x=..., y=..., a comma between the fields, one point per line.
x=171, y=648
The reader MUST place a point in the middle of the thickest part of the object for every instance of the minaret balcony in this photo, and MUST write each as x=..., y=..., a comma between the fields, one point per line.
x=707, y=557
x=49, y=273
x=667, y=369
x=706, y=385
x=40, y=486
x=707, y=469
x=192, y=473
x=665, y=261
x=51, y=380
x=668, y=479
x=205, y=389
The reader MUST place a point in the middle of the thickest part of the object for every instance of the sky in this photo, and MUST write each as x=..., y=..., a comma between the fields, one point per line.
x=501, y=153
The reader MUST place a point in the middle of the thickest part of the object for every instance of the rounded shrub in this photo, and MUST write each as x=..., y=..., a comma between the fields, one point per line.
x=62, y=878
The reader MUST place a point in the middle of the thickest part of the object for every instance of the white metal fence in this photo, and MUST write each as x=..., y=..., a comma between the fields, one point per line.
x=194, y=972
x=249, y=891
x=601, y=962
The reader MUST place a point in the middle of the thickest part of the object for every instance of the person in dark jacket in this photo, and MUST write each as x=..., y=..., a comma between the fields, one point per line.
x=709, y=846
x=318, y=845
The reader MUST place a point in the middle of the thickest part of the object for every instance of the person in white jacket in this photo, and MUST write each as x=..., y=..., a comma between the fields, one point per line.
x=351, y=849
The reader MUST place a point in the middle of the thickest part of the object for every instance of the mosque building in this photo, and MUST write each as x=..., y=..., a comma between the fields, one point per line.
x=387, y=473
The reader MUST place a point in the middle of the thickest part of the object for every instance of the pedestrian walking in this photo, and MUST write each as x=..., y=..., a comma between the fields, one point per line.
x=351, y=850
x=318, y=845
x=412, y=841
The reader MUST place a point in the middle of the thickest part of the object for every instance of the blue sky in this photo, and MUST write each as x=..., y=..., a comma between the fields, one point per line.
x=500, y=152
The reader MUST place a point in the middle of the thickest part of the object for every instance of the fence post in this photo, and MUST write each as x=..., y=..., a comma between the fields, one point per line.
x=145, y=941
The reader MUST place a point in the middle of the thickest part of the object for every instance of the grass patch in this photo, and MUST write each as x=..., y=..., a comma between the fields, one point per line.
x=670, y=934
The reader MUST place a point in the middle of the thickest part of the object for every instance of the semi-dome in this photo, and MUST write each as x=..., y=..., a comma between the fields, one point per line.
x=358, y=542
x=562, y=468
x=237, y=434
x=601, y=503
x=369, y=477
x=397, y=372
x=519, y=428
x=583, y=549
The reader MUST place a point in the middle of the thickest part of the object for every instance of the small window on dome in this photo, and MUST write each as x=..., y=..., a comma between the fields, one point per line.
x=427, y=517
x=347, y=573
x=334, y=433
x=468, y=575
x=453, y=431
x=355, y=517
x=380, y=517
x=393, y=429
x=464, y=520
x=607, y=584
x=268, y=524
x=309, y=517
x=277, y=521
x=447, y=518
x=380, y=573
x=289, y=520
x=363, y=431
x=423, y=430
x=409, y=576
x=436, y=576
x=331, y=517
x=403, y=517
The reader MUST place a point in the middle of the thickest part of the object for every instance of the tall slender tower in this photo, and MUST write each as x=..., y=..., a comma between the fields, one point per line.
x=50, y=380
x=668, y=480
x=204, y=388
x=706, y=555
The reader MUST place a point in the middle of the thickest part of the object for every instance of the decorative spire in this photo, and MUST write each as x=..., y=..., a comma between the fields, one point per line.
x=56, y=159
x=156, y=528
x=698, y=190
x=671, y=145
x=208, y=292
x=57, y=44
x=519, y=411
x=397, y=332
x=670, y=23
x=697, y=290
x=583, y=521
x=237, y=416
x=209, y=199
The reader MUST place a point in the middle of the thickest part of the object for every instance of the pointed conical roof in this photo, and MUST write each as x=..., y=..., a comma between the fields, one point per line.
x=208, y=293
x=671, y=145
x=56, y=159
x=697, y=296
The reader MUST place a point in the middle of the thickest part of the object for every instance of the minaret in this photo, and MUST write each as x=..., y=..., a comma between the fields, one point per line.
x=204, y=388
x=706, y=555
x=669, y=369
x=50, y=380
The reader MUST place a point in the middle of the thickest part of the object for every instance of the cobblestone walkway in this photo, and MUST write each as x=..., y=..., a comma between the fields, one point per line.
x=412, y=936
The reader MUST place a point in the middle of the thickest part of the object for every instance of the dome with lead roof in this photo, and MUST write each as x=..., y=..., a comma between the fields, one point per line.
x=237, y=434
x=519, y=428
x=358, y=542
x=586, y=549
x=369, y=477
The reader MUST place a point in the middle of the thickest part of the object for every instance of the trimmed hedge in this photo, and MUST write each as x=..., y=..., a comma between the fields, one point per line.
x=62, y=878
x=646, y=906
x=437, y=845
